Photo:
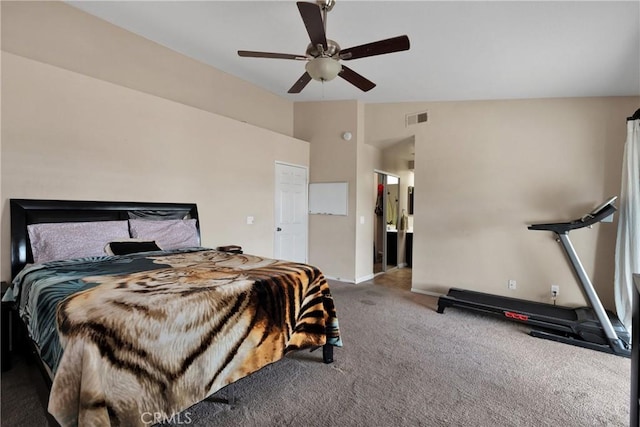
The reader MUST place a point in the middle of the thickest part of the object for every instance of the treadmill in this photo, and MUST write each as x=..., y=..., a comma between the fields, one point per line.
x=589, y=327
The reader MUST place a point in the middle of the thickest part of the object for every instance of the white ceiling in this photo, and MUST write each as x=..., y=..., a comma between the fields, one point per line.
x=459, y=50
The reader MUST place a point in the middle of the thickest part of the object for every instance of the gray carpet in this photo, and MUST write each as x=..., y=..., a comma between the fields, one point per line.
x=405, y=365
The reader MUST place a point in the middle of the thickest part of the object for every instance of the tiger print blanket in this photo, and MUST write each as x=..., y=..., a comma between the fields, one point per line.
x=172, y=330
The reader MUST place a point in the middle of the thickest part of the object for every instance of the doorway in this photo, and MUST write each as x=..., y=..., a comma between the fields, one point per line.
x=385, y=223
x=291, y=214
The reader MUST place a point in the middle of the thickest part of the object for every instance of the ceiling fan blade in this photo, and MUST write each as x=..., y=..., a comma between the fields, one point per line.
x=252, y=54
x=395, y=44
x=312, y=18
x=300, y=84
x=356, y=79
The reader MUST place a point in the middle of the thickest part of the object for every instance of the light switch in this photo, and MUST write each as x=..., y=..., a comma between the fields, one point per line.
x=250, y=220
x=362, y=219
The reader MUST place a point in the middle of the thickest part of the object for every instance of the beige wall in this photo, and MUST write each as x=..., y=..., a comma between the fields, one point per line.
x=369, y=159
x=484, y=170
x=331, y=237
x=341, y=246
x=93, y=111
x=69, y=136
x=58, y=34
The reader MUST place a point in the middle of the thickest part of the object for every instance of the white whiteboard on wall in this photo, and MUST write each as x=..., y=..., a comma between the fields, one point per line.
x=328, y=198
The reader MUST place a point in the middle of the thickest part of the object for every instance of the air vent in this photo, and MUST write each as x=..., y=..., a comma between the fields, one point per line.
x=415, y=118
x=411, y=164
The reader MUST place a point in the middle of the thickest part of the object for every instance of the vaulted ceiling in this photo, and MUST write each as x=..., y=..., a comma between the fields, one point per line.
x=459, y=50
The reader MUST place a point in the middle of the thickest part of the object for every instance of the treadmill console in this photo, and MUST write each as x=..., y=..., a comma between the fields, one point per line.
x=600, y=208
x=603, y=211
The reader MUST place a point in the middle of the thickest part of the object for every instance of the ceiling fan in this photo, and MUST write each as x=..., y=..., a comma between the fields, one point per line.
x=323, y=55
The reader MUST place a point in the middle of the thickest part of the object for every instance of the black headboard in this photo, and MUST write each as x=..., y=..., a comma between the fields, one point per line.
x=28, y=211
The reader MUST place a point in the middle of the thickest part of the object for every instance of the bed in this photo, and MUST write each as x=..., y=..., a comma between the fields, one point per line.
x=140, y=334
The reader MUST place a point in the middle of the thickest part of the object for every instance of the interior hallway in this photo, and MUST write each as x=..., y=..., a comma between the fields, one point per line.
x=399, y=278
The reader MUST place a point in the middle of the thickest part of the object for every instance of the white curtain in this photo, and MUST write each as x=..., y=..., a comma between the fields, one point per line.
x=628, y=243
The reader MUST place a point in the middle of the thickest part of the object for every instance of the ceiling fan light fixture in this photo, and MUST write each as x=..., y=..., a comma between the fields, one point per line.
x=323, y=69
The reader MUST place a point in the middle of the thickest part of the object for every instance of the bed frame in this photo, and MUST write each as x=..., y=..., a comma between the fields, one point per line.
x=26, y=211
x=34, y=211
x=31, y=211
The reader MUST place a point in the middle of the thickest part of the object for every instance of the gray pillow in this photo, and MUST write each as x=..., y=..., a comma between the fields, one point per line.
x=168, y=234
x=66, y=240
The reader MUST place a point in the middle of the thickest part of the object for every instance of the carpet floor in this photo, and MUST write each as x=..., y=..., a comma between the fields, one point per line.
x=403, y=364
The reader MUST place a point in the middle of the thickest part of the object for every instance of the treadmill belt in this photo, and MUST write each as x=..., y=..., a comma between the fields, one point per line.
x=514, y=304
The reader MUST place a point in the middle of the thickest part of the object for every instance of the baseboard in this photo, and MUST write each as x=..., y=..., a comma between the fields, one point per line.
x=338, y=279
x=423, y=292
x=356, y=281
x=365, y=278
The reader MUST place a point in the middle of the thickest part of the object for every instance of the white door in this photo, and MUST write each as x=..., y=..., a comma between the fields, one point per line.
x=291, y=213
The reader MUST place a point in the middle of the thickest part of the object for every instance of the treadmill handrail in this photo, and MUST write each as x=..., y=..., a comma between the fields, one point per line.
x=591, y=218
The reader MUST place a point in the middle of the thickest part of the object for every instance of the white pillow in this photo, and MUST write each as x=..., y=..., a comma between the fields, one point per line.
x=66, y=240
x=168, y=234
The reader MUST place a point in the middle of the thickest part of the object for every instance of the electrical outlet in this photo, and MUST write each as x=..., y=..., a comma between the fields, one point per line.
x=555, y=290
x=511, y=284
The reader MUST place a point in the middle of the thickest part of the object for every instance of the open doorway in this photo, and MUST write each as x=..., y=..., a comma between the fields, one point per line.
x=385, y=242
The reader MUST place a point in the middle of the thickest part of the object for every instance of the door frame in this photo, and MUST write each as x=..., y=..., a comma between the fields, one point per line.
x=384, y=215
x=306, y=204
